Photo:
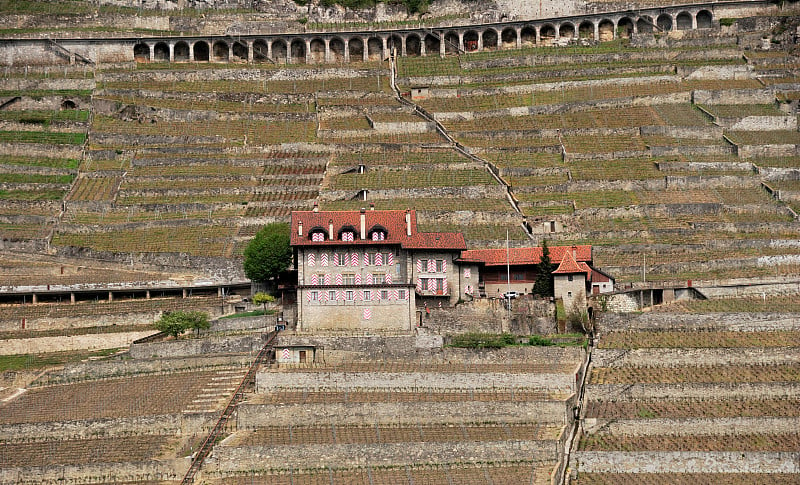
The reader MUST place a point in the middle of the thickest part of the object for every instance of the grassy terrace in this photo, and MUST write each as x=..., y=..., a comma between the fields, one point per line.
x=742, y=110
x=694, y=408
x=208, y=240
x=524, y=60
x=45, y=117
x=409, y=179
x=45, y=93
x=739, y=305
x=32, y=194
x=699, y=339
x=776, y=137
x=95, y=188
x=229, y=132
x=383, y=156
x=682, y=478
x=377, y=84
x=623, y=117
x=711, y=374
x=246, y=106
x=62, y=163
x=579, y=94
x=734, y=442
x=47, y=137
x=422, y=204
x=480, y=232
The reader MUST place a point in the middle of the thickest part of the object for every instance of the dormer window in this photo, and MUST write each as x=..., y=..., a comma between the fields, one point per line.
x=377, y=233
x=348, y=234
x=317, y=234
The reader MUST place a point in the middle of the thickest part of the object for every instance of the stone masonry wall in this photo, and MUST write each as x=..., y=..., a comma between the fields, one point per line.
x=250, y=416
x=688, y=462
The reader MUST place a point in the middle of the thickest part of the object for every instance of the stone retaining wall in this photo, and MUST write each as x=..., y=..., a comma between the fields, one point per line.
x=95, y=473
x=212, y=344
x=694, y=357
x=686, y=462
x=268, y=380
x=251, y=416
x=709, y=321
x=91, y=429
x=229, y=460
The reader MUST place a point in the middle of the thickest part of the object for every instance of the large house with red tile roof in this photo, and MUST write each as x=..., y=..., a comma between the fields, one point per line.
x=370, y=269
x=374, y=270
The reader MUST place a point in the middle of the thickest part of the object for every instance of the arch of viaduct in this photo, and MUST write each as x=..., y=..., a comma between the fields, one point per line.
x=368, y=46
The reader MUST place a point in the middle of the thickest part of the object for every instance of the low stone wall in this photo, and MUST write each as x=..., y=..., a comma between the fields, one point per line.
x=227, y=461
x=70, y=342
x=91, y=429
x=95, y=473
x=759, y=123
x=761, y=151
x=268, y=380
x=212, y=344
x=692, y=357
x=733, y=96
x=49, y=323
x=708, y=321
x=686, y=462
x=129, y=367
x=251, y=416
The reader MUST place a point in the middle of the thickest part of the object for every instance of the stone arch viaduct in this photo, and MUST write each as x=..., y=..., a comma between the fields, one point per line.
x=337, y=47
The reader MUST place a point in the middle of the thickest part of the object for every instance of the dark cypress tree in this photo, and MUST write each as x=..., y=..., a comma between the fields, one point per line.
x=543, y=286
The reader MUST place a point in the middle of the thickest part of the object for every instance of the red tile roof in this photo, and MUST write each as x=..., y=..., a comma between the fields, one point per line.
x=392, y=221
x=522, y=256
x=569, y=266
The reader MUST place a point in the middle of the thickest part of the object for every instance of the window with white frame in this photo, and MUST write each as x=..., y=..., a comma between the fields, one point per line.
x=401, y=294
x=378, y=278
x=348, y=295
x=314, y=296
x=348, y=279
x=331, y=295
x=384, y=295
x=367, y=295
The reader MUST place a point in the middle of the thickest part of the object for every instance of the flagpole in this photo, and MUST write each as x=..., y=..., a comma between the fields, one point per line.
x=508, y=274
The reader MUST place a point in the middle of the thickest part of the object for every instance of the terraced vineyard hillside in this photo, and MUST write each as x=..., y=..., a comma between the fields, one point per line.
x=682, y=155
x=692, y=398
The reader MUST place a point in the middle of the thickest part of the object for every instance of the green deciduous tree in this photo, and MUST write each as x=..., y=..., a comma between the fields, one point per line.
x=543, y=286
x=262, y=298
x=175, y=323
x=269, y=253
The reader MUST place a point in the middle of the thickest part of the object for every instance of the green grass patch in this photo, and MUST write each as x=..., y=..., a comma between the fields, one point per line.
x=39, y=361
x=254, y=313
x=53, y=194
x=35, y=178
x=44, y=93
x=44, y=117
x=66, y=163
x=47, y=137
x=17, y=334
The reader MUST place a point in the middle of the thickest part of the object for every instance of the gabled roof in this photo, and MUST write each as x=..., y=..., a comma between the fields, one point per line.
x=392, y=221
x=570, y=266
x=524, y=256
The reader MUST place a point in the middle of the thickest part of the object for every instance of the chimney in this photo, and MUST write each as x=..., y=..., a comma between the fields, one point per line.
x=330, y=229
x=300, y=228
x=408, y=223
x=575, y=253
x=316, y=206
x=372, y=206
x=363, y=223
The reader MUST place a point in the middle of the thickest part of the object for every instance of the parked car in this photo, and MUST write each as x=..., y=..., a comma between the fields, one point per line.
x=510, y=295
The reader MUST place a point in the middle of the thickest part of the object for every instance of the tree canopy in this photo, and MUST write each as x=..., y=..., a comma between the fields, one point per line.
x=175, y=323
x=269, y=253
x=543, y=286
